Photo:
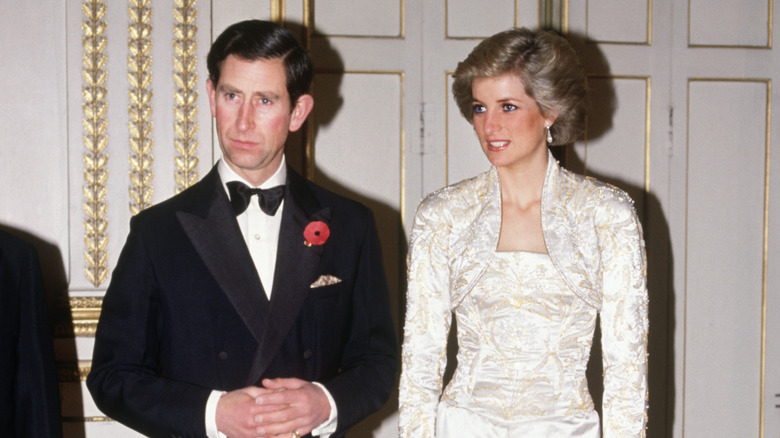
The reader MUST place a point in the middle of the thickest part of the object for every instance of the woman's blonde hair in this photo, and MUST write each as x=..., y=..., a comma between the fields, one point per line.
x=546, y=65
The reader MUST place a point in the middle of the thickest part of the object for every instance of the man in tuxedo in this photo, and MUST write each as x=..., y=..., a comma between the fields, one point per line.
x=241, y=312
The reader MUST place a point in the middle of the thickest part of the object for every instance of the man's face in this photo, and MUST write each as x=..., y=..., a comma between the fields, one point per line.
x=254, y=115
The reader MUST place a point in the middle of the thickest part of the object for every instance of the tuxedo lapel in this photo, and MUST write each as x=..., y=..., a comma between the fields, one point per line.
x=212, y=228
x=296, y=265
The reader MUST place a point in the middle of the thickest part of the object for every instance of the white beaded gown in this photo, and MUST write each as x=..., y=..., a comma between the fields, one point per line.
x=523, y=346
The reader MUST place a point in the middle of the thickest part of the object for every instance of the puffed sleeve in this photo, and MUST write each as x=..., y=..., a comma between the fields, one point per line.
x=427, y=323
x=624, y=320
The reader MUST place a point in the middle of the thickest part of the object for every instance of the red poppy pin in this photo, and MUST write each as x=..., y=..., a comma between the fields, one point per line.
x=316, y=233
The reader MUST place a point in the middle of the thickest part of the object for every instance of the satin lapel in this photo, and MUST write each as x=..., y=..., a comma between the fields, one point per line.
x=296, y=265
x=216, y=237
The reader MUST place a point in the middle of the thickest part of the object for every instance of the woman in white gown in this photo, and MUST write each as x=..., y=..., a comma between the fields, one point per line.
x=525, y=255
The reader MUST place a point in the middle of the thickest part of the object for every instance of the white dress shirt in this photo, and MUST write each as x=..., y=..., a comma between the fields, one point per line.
x=261, y=234
x=260, y=231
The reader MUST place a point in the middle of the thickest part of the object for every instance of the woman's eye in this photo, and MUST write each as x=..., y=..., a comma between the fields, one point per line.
x=509, y=107
x=478, y=109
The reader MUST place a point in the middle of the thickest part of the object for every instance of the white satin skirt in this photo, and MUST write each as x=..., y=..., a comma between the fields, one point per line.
x=455, y=422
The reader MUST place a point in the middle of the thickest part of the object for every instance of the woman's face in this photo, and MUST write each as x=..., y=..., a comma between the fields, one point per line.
x=508, y=122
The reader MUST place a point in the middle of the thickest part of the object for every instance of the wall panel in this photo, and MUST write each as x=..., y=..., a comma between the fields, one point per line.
x=358, y=18
x=363, y=160
x=724, y=23
x=725, y=227
x=463, y=22
x=616, y=148
x=618, y=22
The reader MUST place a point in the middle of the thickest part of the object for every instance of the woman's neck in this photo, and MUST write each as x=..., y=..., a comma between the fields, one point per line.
x=522, y=185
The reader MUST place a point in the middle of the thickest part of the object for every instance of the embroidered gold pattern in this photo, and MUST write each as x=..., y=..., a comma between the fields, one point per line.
x=185, y=79
x=95, y=140
x=139, y=76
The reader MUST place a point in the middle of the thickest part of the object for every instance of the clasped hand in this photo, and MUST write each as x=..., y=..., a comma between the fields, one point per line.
x=279, y=408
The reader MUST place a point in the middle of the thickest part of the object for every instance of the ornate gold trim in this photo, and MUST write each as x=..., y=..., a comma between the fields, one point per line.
x=78, y=329
x=85, y=308
x=139, y=77
x=185, y=95
x=86, y=419
x=95, y=140
x=73, y=371
x=84, y=314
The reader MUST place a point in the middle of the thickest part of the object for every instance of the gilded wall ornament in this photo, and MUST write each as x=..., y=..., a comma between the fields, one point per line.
x=185, y=94
x=95, y=140
x=139, y=77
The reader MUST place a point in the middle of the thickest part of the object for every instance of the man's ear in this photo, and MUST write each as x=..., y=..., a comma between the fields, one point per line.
x=212, y=97
x=300, y=111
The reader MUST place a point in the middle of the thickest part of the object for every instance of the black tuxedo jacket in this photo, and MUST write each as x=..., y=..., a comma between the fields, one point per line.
x=29, y=394
x=185, y=312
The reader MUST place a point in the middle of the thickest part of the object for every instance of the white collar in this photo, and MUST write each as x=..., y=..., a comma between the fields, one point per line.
x=226, y=174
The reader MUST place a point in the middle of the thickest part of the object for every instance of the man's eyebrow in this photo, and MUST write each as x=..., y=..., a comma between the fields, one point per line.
x=226, y=88
x=266, y=95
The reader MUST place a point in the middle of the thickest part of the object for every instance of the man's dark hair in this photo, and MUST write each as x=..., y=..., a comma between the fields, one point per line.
x=255, y=39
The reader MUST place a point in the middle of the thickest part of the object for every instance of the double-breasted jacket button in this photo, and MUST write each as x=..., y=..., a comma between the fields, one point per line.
x=307, y=354
x=222, y=355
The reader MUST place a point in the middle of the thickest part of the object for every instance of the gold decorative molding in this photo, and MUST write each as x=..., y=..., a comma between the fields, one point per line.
x=85, y=307
x=86, y=419
x=139, y=77
x=85, y=312
x=278, y=11
x=95, y=140
x=765, y=256
x=82, y=317
x=185, y=79
x=72, y=371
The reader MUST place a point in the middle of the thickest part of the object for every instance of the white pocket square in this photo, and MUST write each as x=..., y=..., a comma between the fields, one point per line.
x=325, y=280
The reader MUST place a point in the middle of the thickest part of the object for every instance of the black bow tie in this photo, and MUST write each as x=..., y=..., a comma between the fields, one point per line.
x=269, y=199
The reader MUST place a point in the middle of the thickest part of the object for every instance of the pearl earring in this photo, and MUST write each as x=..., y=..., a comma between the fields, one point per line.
x=549, y=134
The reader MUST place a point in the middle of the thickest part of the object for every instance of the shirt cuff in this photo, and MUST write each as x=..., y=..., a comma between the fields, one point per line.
x=327, y=428
x=211, y=415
